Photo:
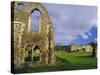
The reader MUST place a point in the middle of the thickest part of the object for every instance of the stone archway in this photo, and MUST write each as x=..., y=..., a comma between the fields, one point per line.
x=32, y=53
x=34, y=20
x=36, y=53
x=43, y=38
x=28, y=54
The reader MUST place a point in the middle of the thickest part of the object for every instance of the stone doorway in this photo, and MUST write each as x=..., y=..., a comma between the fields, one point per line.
x=32, y=54
x=36, y=53
x=28, y=54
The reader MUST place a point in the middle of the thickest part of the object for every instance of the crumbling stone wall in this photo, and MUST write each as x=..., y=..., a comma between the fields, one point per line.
x=23, y=37
x=18, y=31
x=81, y=48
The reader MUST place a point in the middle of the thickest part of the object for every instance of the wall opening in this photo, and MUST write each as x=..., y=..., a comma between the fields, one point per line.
x=36, y=53
x=28, y=53
x=34, y=20
x=20, y=5
x=32, y=55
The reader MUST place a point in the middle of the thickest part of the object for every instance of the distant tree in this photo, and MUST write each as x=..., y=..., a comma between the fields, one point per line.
x=94, y=45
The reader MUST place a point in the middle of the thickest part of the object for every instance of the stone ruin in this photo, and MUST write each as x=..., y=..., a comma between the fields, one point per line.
x=25, y=42
x=81, y=48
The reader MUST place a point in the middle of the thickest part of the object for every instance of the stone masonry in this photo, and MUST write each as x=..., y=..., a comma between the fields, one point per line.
x=24, y=41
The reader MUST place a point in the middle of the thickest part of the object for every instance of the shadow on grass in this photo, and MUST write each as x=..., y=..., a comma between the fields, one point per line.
x=61, y=65
x=88, y=56
x=61, y=61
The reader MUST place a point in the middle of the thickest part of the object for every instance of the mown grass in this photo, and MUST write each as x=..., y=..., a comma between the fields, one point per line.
x=65, y=61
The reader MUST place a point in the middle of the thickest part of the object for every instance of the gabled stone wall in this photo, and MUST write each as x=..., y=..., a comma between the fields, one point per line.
x=23, y=38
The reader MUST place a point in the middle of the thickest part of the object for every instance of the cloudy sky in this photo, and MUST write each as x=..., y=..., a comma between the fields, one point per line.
x=71, y=23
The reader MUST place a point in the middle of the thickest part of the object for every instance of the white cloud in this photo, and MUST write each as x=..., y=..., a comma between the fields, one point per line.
x=95, y=40
x=89, y=33
x=92, y=22
x=84, y=36
x=69, y=21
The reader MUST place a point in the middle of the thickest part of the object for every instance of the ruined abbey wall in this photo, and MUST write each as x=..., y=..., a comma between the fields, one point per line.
x=25, y=40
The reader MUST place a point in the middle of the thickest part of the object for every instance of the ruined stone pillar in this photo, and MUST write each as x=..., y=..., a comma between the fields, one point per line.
x=43, y=57
x=51, y=54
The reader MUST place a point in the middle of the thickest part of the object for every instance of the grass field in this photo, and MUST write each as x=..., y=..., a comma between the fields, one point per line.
x=65, y=61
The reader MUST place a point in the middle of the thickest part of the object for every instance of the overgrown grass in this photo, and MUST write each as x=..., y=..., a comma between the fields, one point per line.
x=65, y=61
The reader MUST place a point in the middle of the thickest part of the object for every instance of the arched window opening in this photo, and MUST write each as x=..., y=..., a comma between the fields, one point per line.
x=32, y=55
x=36, y=53
x=28, y=53
x=20, y=5
x=34, y=20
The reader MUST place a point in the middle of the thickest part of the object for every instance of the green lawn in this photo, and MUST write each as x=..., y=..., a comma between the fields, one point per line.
x=65, y=61
x=76, y=60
